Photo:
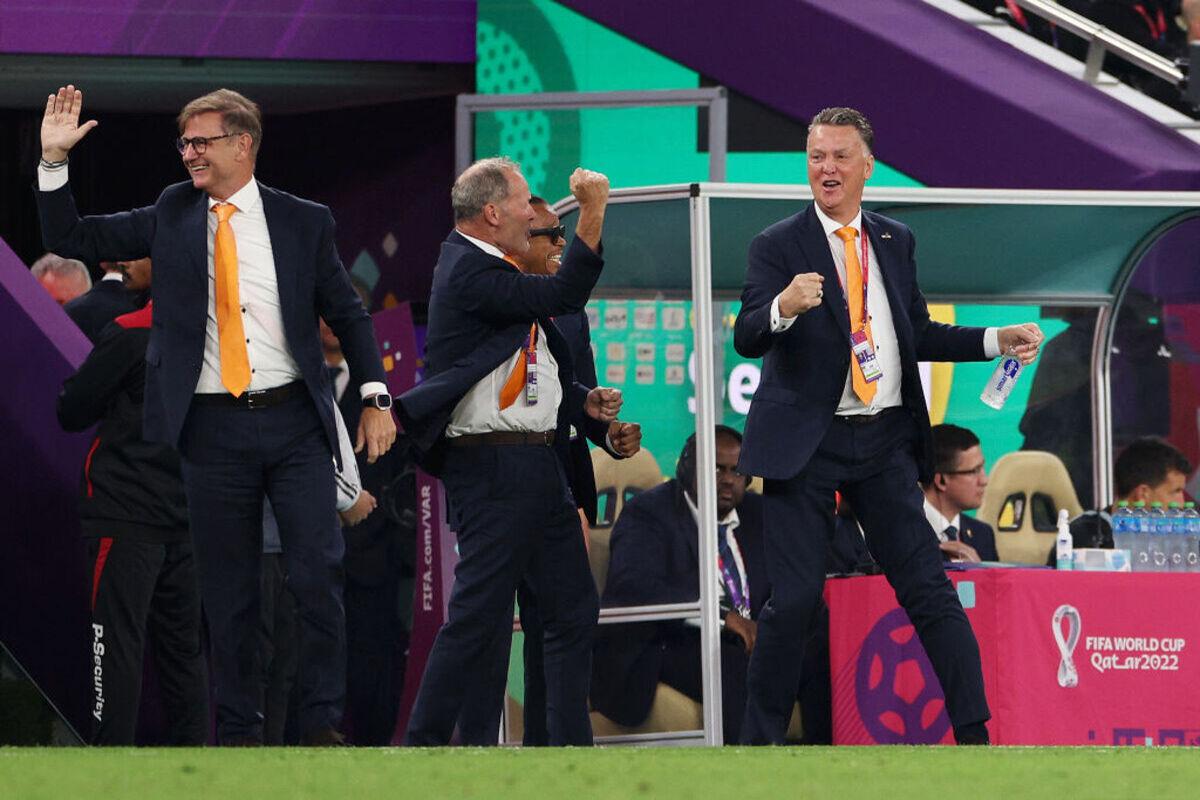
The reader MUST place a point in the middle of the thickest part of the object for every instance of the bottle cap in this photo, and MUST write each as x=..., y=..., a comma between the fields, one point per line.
x=1174, y=505
x=1189, y=504
x=1156, y=504
x=1140, y=504
x=1123, y=504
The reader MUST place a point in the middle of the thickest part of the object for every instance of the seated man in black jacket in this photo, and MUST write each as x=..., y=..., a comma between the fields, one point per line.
x=655, y=560
x=135, y=525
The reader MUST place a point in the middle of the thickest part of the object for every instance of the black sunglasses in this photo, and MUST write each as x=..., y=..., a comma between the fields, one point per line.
x=555, y=233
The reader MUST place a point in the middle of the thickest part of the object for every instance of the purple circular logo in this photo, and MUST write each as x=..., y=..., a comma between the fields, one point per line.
x=899, y=697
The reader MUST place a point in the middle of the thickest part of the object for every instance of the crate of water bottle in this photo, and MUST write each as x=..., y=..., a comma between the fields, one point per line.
x=1159, y=538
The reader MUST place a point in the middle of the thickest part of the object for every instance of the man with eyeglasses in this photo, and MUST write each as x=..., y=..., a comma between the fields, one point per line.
x=957, y=485
x=236, y=381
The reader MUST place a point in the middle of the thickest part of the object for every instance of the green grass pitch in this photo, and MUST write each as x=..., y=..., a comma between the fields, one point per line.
x=880, y=773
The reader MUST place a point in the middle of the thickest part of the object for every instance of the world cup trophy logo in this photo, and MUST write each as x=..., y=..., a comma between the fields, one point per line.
x=1068, y=676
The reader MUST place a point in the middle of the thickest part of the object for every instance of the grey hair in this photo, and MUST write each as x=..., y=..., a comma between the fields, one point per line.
x=840, y=115
x=61, y=267
x=485, y=181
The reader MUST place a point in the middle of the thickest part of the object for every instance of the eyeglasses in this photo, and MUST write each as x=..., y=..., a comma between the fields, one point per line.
x=555, y=233
x=199, y=143
x=975, y=471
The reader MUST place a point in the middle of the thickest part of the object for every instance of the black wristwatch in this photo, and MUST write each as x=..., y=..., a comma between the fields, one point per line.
x=382, y=401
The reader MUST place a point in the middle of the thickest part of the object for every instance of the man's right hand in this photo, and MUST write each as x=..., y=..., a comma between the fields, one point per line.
x=591, y=190
x=960, y=551
x=747, y=629
x=803, y=293
x=60, y=124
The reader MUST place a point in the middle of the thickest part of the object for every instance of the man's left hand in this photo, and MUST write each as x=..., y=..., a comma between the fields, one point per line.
x=1022, y=340
x=626, y=437
x=603, y=403
x=377, y=431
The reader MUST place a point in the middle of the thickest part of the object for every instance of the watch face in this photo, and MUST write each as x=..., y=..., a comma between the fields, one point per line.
x=383, y=400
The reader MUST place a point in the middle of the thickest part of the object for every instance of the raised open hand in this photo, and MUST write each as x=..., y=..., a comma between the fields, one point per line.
x=60, y=124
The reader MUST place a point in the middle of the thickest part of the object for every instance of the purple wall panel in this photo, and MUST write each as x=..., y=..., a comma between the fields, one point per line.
x=43, y=574
x=441, y=31
x=952, y=105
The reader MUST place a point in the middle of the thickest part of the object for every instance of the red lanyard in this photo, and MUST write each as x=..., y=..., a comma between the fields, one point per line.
x=866, y=277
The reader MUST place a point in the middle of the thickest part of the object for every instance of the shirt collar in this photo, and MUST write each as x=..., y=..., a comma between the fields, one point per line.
x=116, y=277
x=486, y=247
x=731, y=519
x=245, y=199
x=939, y=522
x=831, y=225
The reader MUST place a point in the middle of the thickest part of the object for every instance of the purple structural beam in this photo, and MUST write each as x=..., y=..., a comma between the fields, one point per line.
x=951, y=105
x=43, y=573
x=436, y=31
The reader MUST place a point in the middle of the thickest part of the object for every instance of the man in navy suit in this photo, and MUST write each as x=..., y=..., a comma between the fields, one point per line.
x=840, y=406
x=105, y=301
x=235, y=380
x=497, y=400
x=655, y=560
x=481, y=716
x=957, y=485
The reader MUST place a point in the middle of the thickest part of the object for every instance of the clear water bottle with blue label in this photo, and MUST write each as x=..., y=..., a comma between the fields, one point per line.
x=1140, y=525
x=1192, y=526
x=1001, y=384
x=1159, y=531
x=1176, y=544
x=1122, y=528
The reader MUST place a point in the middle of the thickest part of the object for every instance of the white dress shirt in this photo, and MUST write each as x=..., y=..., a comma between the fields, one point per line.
x=883, y=329
x=479, y=410
x=732, y=521
x=939, y=523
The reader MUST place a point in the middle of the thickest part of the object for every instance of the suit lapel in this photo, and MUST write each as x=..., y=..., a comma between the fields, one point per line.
x=815, y=248
x=887, y=269
x=283, y=248
x=195, y=243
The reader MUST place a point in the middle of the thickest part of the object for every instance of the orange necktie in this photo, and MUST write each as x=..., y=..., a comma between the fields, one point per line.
x=516, y=379
x=854, y=298
x=235, y=363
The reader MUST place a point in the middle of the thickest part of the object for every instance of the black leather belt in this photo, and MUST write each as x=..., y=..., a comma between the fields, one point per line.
x=867, y=419
x=260, y=399
x=503, y=438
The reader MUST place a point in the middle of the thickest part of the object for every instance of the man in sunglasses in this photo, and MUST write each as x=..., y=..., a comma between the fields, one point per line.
x=236, y=381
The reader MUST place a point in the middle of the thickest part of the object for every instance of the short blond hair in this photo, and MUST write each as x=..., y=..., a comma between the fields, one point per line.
x=239, y=114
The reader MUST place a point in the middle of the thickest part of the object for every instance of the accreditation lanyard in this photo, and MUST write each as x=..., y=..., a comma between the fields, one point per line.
x=865, y=264
x=531, y=387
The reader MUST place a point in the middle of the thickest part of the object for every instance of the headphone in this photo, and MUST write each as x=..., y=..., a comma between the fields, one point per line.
x=685, y=467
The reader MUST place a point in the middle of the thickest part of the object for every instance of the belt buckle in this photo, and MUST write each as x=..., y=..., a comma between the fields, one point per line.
x=252, y=396
x=546, y=438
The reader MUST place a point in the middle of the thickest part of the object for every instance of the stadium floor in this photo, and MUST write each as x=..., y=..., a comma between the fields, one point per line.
x=880, y=773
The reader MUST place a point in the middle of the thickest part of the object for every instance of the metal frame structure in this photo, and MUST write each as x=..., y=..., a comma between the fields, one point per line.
x=714, y=99
x=698, y=196
x=1102, y=41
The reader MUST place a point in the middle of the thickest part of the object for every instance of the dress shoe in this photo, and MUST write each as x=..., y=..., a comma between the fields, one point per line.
x=975, y=733
x=324, y=737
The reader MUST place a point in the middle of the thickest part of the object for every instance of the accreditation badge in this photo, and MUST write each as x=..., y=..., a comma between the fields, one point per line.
x=864, y=352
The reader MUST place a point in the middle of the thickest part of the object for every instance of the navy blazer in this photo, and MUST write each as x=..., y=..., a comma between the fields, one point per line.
x=979, y=535
x=480, y=310
x=655, y=559
x=173, y=232
x=580, y=473
x=804, y=368
x=100, y=305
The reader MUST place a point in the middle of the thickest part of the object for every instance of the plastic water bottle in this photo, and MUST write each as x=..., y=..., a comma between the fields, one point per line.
x=1123, y=530
x=1159, y=531
x=1001, y=383
x=1176, y=539
x=1192, y=525
x=1063, y=543
x=1140, y=525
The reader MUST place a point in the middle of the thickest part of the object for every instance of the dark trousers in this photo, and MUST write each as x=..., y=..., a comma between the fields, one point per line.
x=375, y=660
x=874, y=465
x=479, y=721
x=231, y=458
x=681, y=669
x=278, y=651
x=140, y=588
x=514, y=517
